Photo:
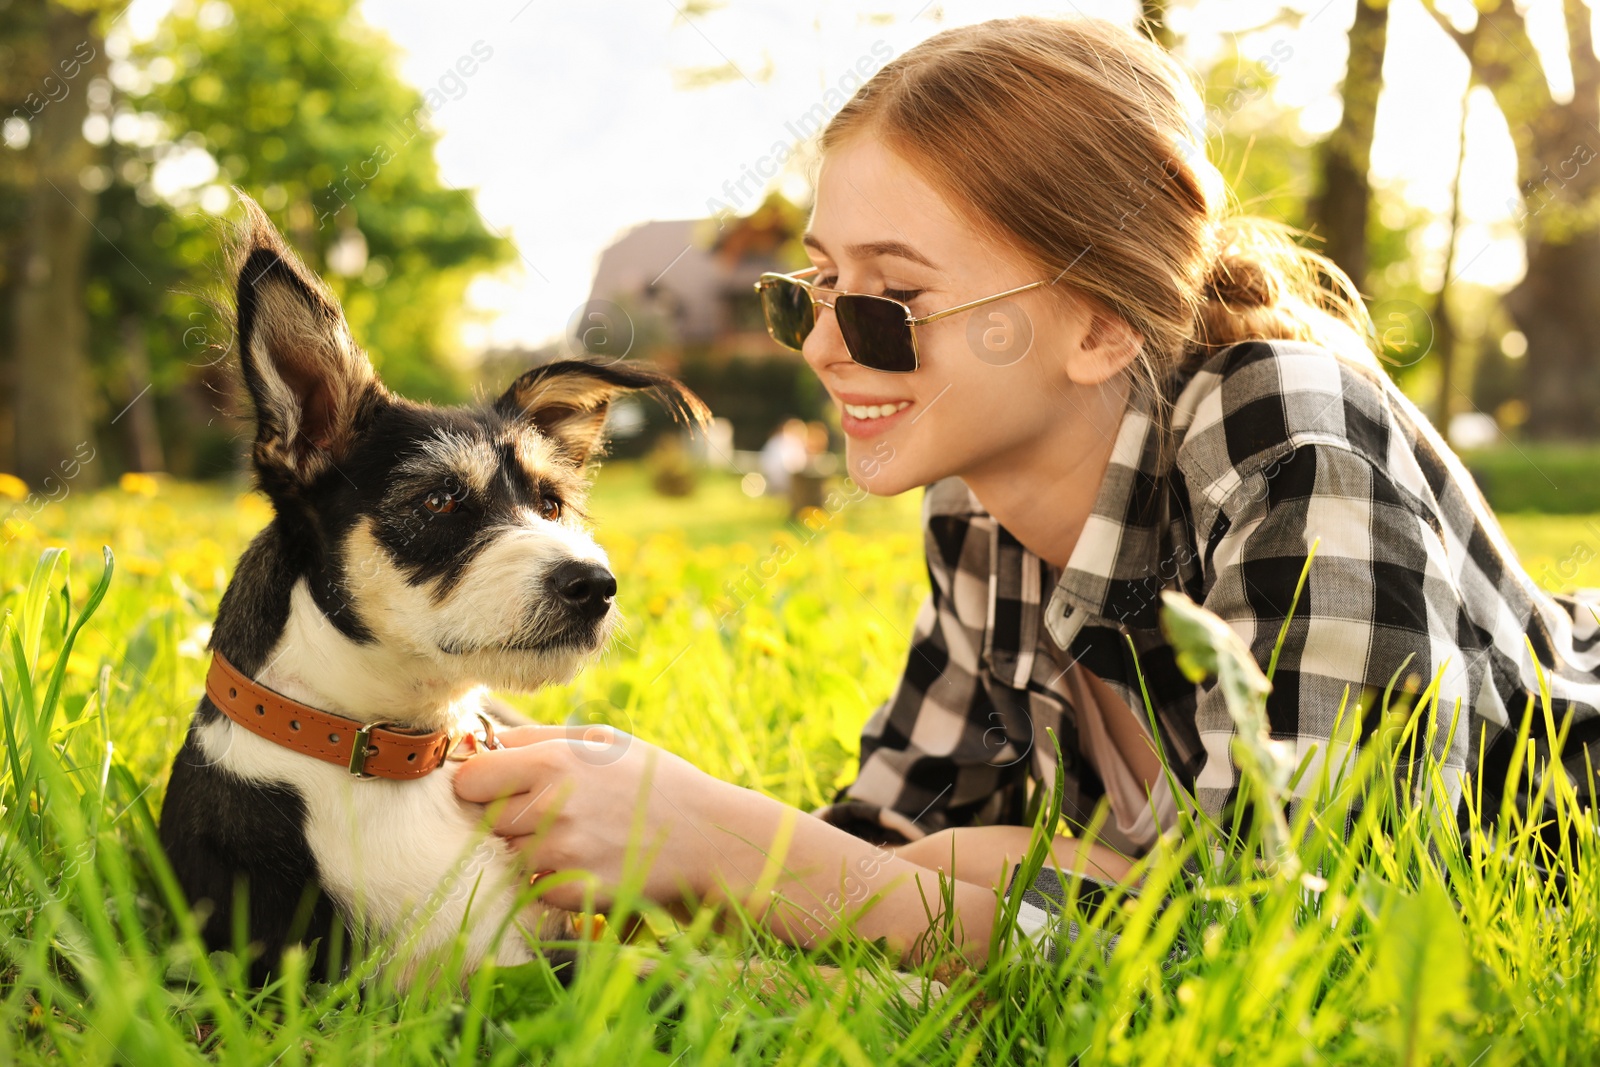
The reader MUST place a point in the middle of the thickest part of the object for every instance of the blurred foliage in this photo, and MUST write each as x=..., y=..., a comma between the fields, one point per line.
x=1549, y=478
x=756, y=393
x=299, y=103
x=1265, y=155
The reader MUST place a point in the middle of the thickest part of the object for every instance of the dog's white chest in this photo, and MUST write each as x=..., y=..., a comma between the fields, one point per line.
x=398, y=858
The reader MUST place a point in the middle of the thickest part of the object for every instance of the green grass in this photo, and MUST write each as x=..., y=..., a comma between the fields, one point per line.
x=1547, y=478
x=755, y=649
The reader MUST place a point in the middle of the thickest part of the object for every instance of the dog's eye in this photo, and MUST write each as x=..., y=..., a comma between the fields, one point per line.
x=440, y=502
x=550, y=508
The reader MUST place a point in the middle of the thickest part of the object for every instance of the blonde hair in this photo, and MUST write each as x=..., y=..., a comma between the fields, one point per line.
x=1083, y=144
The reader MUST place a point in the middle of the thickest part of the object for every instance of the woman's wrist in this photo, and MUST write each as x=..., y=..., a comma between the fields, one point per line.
x=804, y=879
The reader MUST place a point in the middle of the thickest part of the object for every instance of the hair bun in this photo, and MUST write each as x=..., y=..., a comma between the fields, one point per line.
x=1240, y=280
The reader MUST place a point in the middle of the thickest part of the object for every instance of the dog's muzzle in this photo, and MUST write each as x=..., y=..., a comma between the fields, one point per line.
x=584, y=587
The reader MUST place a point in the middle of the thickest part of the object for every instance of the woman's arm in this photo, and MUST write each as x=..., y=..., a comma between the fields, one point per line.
x=831, y=874
x=831, y=878
x=986, y=855
x=573, y=800
x=570, y=804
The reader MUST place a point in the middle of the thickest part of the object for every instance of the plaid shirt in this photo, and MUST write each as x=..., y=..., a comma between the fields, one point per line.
x=1273, y=445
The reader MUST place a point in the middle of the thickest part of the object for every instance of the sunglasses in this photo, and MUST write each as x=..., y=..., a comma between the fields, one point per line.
x=877, y=330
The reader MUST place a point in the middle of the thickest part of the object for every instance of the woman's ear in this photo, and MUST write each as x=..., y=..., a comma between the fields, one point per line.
x=1108, y=346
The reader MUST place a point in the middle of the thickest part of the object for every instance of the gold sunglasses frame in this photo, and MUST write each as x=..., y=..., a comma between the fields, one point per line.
x=769, y=278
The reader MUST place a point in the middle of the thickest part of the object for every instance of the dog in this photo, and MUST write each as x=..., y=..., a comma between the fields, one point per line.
x=417, y=557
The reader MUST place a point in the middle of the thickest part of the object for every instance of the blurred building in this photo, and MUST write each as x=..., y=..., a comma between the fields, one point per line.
x=680, y=294
x=688, y=283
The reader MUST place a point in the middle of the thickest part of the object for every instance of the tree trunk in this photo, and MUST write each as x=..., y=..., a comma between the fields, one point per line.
x=1557, y=309
x=1444, y=329
x=52, y=392
x=1557, y=303
x=138, y=417
x=1558, y=172
x=1341, y=208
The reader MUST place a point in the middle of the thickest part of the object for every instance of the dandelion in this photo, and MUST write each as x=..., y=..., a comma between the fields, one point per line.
x=254, y=509
x=764, y=641
x=138, y=484
x=12, y=487
x=14, y=528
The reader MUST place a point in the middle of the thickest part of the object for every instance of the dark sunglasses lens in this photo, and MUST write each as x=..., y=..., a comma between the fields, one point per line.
x=875, y=332
x=787, y=308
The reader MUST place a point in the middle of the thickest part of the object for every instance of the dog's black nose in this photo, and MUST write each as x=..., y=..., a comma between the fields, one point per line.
x=588, y=586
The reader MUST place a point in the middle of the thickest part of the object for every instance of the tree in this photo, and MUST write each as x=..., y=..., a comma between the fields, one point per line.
x=1444, y=327
x=1341, y=208
x=298, y=102
x=1259, y=147
x=101, y=266
x=55, y=51
x=1153, y=22
x=1554, y=305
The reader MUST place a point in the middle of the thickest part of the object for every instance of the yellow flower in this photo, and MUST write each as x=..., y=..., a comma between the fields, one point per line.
x=764, y=640
x=139, y=484
x=814, y=518
x=141, y=565
x=13, y=487
x=255, y=509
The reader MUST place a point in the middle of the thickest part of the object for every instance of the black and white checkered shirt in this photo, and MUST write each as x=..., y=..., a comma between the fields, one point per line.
x=1277, y=444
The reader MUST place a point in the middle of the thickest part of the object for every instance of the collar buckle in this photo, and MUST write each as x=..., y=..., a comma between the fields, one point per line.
x=364, y=748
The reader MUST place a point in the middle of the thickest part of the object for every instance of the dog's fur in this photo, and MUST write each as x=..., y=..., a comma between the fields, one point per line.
x=360, y=599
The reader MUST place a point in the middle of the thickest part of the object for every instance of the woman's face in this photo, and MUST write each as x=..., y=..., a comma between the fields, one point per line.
x=995, y=385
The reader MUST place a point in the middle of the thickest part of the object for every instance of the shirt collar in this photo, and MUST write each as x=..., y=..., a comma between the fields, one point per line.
x=1115, y=571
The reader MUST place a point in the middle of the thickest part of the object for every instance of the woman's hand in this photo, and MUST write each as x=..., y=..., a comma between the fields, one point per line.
x=597, y=799
x=601, y=801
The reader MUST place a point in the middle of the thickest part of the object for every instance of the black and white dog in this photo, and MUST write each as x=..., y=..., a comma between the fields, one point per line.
x=417, y=556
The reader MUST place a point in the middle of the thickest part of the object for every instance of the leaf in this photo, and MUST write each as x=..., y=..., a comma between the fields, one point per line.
x=34, y=603
x=1420, y=969
x=1205, y=645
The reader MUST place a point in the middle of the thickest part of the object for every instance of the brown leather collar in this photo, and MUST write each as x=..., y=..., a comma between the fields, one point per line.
x=367, y=750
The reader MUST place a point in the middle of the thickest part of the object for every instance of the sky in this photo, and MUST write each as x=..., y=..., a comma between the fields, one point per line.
x=579, y=124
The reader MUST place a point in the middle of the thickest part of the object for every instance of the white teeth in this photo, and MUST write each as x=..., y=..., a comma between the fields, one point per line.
x=875, y=411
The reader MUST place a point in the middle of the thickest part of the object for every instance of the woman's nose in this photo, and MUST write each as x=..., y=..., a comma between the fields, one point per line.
x=824, y=345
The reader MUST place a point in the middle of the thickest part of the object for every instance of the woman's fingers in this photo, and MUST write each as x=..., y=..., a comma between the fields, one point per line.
x=563, y=888
x=500, y=772
x=517, y=736
x=521, y=813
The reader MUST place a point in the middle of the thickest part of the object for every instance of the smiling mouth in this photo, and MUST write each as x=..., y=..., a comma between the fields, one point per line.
x=868, y=412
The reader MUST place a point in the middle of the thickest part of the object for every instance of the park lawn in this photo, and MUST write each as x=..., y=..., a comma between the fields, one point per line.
x=756, y=648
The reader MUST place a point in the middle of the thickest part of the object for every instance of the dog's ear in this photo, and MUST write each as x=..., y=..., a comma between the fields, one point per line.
x=305, y=374
x=567, y=400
